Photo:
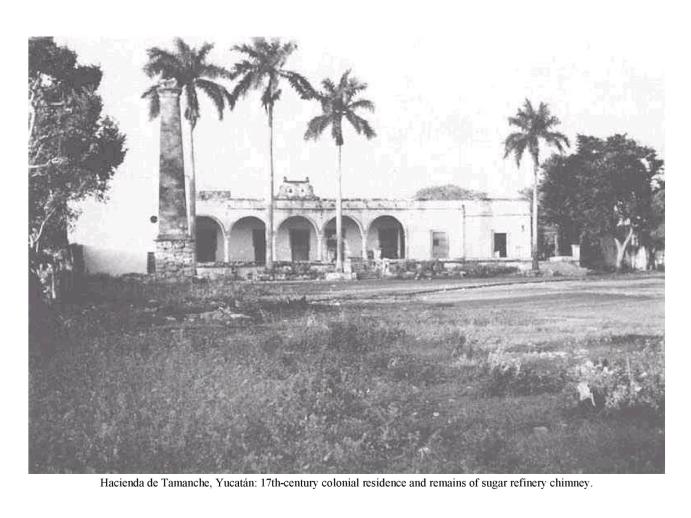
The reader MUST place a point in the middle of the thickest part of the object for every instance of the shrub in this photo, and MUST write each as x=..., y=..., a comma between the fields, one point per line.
x=508, y=374
x=637, y=382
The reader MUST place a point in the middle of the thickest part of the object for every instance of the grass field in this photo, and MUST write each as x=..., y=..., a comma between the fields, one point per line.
x=563, y=377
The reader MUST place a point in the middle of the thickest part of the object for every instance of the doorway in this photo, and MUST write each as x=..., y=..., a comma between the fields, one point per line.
x=259, y=245
x=299, y=244
x=499, y=244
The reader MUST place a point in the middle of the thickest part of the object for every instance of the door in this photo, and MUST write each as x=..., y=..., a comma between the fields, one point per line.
x=206, y=244
x=499, y=244
x=259, y=244
x=300, y=244
x=388, y=242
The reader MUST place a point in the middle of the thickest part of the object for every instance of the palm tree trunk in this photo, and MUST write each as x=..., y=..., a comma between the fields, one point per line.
x=533, y=244
x=339, y=219
x=270, y=201
x=193, y=202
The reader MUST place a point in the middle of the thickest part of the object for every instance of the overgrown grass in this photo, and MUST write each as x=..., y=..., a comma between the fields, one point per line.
x=305, y=388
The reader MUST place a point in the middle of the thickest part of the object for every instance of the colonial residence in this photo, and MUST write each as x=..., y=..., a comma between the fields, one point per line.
x=232, y=230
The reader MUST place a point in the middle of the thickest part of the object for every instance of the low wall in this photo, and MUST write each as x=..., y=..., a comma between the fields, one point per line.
x=395, y=268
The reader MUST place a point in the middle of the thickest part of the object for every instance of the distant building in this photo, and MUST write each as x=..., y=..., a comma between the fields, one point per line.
x=234, y=229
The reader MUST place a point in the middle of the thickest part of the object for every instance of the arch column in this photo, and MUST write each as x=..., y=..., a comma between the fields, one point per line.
x=320, y=243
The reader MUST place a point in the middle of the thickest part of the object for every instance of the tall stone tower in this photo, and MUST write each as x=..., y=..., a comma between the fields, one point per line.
x=174, y=245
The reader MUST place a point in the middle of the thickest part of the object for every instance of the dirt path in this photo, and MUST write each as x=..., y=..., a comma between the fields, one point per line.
x=467, y=289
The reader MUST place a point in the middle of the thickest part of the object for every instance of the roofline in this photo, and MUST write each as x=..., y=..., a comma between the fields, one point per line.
x=488, y=198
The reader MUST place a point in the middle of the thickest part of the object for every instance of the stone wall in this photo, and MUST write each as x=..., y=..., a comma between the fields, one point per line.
x=174, y=257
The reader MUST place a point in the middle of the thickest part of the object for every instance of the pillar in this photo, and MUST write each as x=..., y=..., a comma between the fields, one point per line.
x=174, y=245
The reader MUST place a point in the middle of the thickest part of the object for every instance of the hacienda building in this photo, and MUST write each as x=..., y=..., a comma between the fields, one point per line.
x=231, y=230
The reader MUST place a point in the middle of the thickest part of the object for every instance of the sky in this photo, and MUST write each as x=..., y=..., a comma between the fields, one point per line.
x=442, y=102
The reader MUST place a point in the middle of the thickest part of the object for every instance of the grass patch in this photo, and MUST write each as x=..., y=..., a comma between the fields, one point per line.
x=321, y=389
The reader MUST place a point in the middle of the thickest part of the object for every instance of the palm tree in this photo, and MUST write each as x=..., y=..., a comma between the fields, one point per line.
x=263, y=68
x=339, y=101
x=193, y=73
x=533, y=126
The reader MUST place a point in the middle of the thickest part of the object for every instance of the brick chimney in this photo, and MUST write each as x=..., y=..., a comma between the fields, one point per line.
x=174, y=245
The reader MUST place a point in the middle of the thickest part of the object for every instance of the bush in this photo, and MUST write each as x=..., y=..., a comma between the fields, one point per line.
x=637, y=382
x=508, y=374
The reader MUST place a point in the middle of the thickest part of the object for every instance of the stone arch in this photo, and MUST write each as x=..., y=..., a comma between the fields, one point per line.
x=297, y=238
x=247, y=240
x=386, y=233
x=209, y=239
x=353, y=242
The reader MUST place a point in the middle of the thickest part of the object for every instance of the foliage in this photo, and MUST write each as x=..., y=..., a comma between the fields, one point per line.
x=193, y=72
x=637, y=382
x=533, y=126
x=448, y=192
x=340, y=100
x=605, y=189
x=657, y=222
x=263, y=67
x=512, y=374
x=73, y=148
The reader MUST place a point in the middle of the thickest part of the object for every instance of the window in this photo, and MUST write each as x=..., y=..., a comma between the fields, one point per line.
x=440, y=245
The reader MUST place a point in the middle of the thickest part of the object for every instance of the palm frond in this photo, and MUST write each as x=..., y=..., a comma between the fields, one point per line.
x=202, y=52
x=337, y=131
x=300, y=84
x=364, y=104
x=240, y=89
x=216, y=92
x=558, y=140
x=316, y=127
x=215, y=72
x=355, y=85
x=361, y=125
x=162, y=63
x=182, y=47
x=343, y=82
x=246, y=49
x=515, y=144
x=329, y=86
x=154, y=101
x=270, y=96
x=520, y=120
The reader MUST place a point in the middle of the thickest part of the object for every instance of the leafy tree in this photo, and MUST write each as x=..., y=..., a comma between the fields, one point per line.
x=657, y=230
x=190, y=67
x=560, y=184
x=73, y=149
x=449, y=192
x=263, y=67
x=338, y=101
x=606, y=190
x=534, y=126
